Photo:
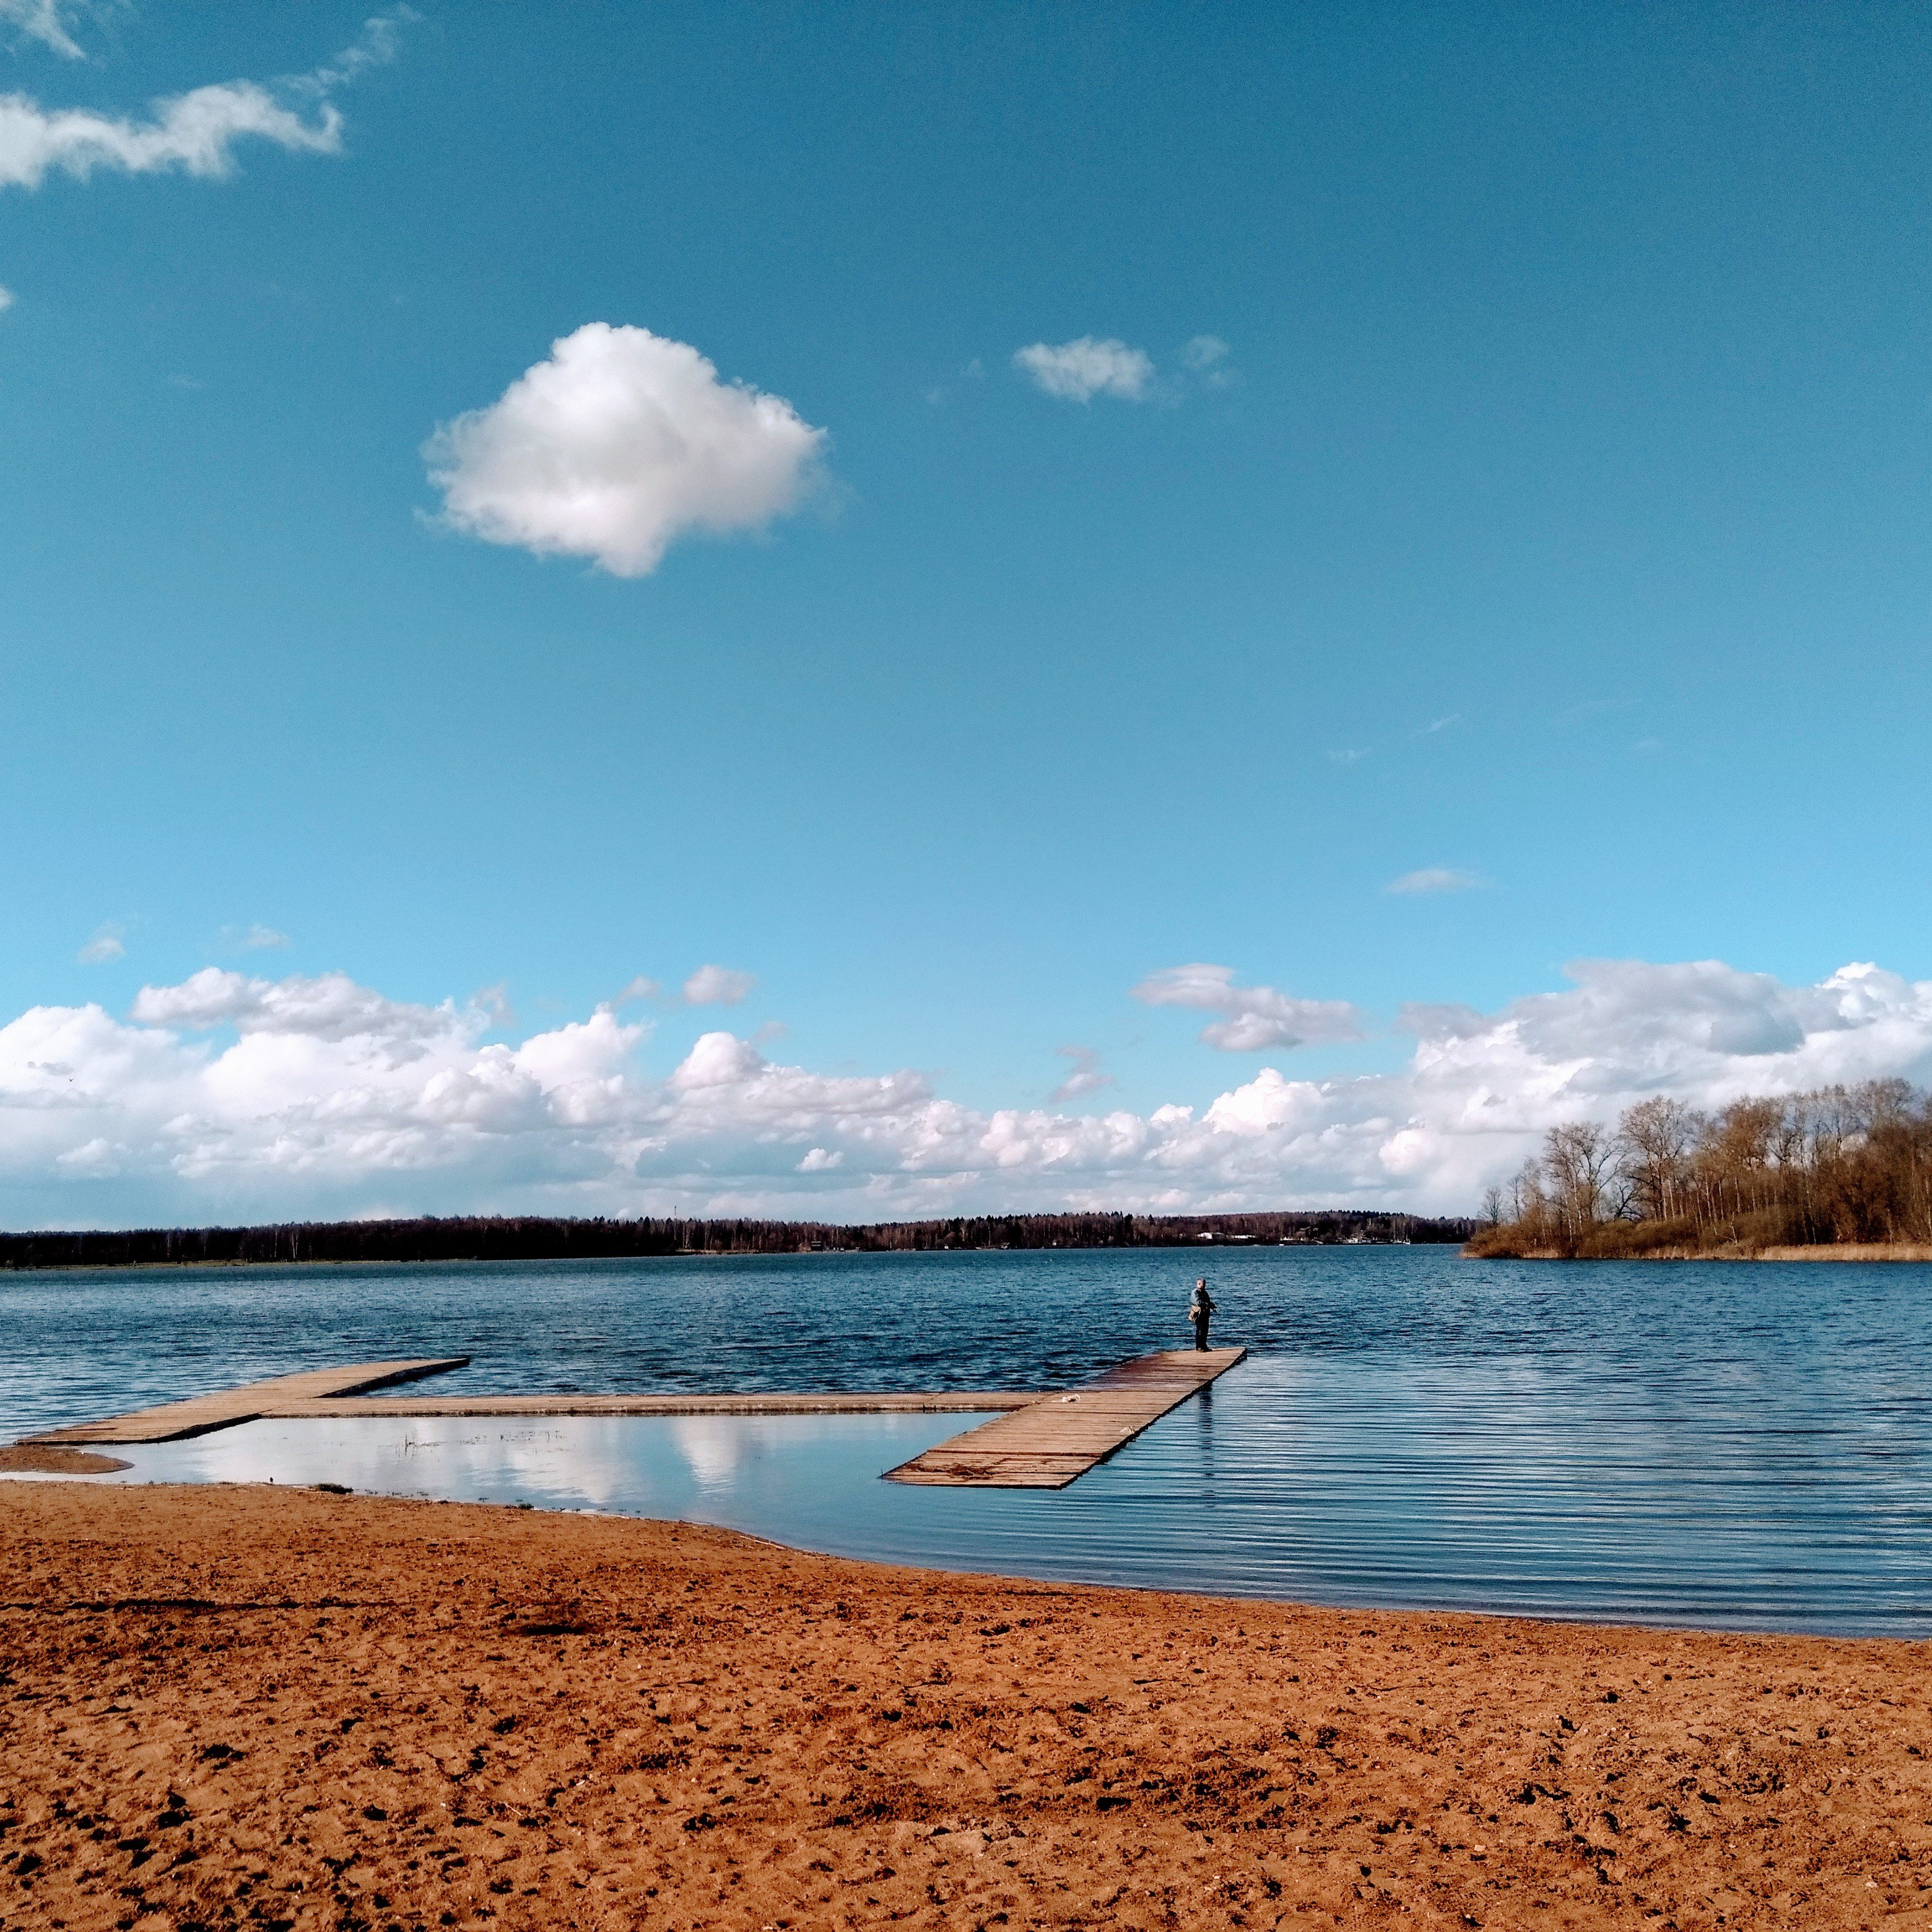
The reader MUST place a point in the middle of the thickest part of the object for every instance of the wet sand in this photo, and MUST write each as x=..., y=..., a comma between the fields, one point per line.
x=248, y=1706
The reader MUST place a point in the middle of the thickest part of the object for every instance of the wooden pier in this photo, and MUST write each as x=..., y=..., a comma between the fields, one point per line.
x=320, y=1394
x=173, y=1421
x=1058, y=1438
x=1034, y=1441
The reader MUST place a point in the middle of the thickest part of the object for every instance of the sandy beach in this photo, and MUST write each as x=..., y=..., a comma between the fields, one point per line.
x=248, y=1706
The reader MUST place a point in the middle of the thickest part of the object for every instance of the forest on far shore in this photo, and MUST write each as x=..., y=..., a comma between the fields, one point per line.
x=478, y=1237
x=1840, y=1164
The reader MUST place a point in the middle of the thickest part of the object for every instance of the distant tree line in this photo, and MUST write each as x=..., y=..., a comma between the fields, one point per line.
x=1842, y=1164
x=470, y=1237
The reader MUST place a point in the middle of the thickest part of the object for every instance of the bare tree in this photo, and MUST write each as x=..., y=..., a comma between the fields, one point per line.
x=1580, y=1160
x=1838, y=1164
x=1654, y=1143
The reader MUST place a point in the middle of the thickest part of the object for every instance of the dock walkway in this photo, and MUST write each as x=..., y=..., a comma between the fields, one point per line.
x=174, y=1421
x=1057, y=1438
x=320, y=1394
x=1034, y=1441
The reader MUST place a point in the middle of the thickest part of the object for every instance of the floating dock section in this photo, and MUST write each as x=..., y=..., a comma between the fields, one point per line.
x=1057, y=1438
x=1034, y=1441
x=320, y=1394
x=174, y=1421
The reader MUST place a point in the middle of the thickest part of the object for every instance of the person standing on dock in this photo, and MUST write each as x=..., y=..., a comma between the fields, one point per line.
x=1200, y=1311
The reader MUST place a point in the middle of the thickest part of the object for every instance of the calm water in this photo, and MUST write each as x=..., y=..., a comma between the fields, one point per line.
x=1747, y=1445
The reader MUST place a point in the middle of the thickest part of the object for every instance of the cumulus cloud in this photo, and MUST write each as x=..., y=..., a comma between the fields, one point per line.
x=1084, y=1077
x=330, y=1006
x=717, y=986
x=107, y=944
x=1435, y=879
x=1079, y=370
x=1256, y=1018
x=226, y=1095
x=617, y=444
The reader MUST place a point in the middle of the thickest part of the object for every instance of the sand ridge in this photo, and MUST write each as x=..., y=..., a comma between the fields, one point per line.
x=249, y=1706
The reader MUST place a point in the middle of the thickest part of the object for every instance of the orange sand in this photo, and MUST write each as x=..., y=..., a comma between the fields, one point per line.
x=251, y=1707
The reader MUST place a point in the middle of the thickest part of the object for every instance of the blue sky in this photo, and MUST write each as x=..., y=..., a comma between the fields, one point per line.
x=1554, y=519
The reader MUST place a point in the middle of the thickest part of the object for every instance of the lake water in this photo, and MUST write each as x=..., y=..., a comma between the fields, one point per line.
x=1746, y=1445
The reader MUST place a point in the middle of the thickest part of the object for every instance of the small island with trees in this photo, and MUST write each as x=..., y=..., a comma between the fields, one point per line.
x=1840, y=1173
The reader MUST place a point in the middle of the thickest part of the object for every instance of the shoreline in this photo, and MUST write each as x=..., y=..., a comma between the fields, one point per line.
x=27, y=1468
x=263, y=1703
x=1218, y=1248
x=1837, y=1251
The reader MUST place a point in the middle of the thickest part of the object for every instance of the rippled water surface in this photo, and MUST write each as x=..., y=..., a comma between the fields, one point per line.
x=1720, y=1444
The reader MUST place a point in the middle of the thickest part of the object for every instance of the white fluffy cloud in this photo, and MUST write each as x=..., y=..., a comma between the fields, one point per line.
x=227, y=1096
x=195, y=133
x=1079, y=370
x=717, y=986
x=331, y=1006
x=1257, y=1017
x=616, y=444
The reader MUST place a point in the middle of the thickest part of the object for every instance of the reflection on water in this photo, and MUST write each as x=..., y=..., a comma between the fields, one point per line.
x=1426, y=1490
x=1746, y=1445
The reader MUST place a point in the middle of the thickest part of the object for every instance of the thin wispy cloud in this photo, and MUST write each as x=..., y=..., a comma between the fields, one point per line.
x=108, y=943
x=1442, y=724
x=1595, y=707
x=379, y=44
x=1256, y=1018
x=1090, y=366
x=1347, y=756
x=718, y=986
x=1086, y=1076
x=618, y=444
x=1205, y=358
x=1435, y=879
x=254, y=938
x=44, y=21
x=6, y=300
x=194, y=134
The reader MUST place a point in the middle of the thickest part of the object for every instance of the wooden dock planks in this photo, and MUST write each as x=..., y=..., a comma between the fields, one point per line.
x=978, y=1402
x=324, y=1394
x=1058, y=1438
x=223, y=1408
x=1033, y=1442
